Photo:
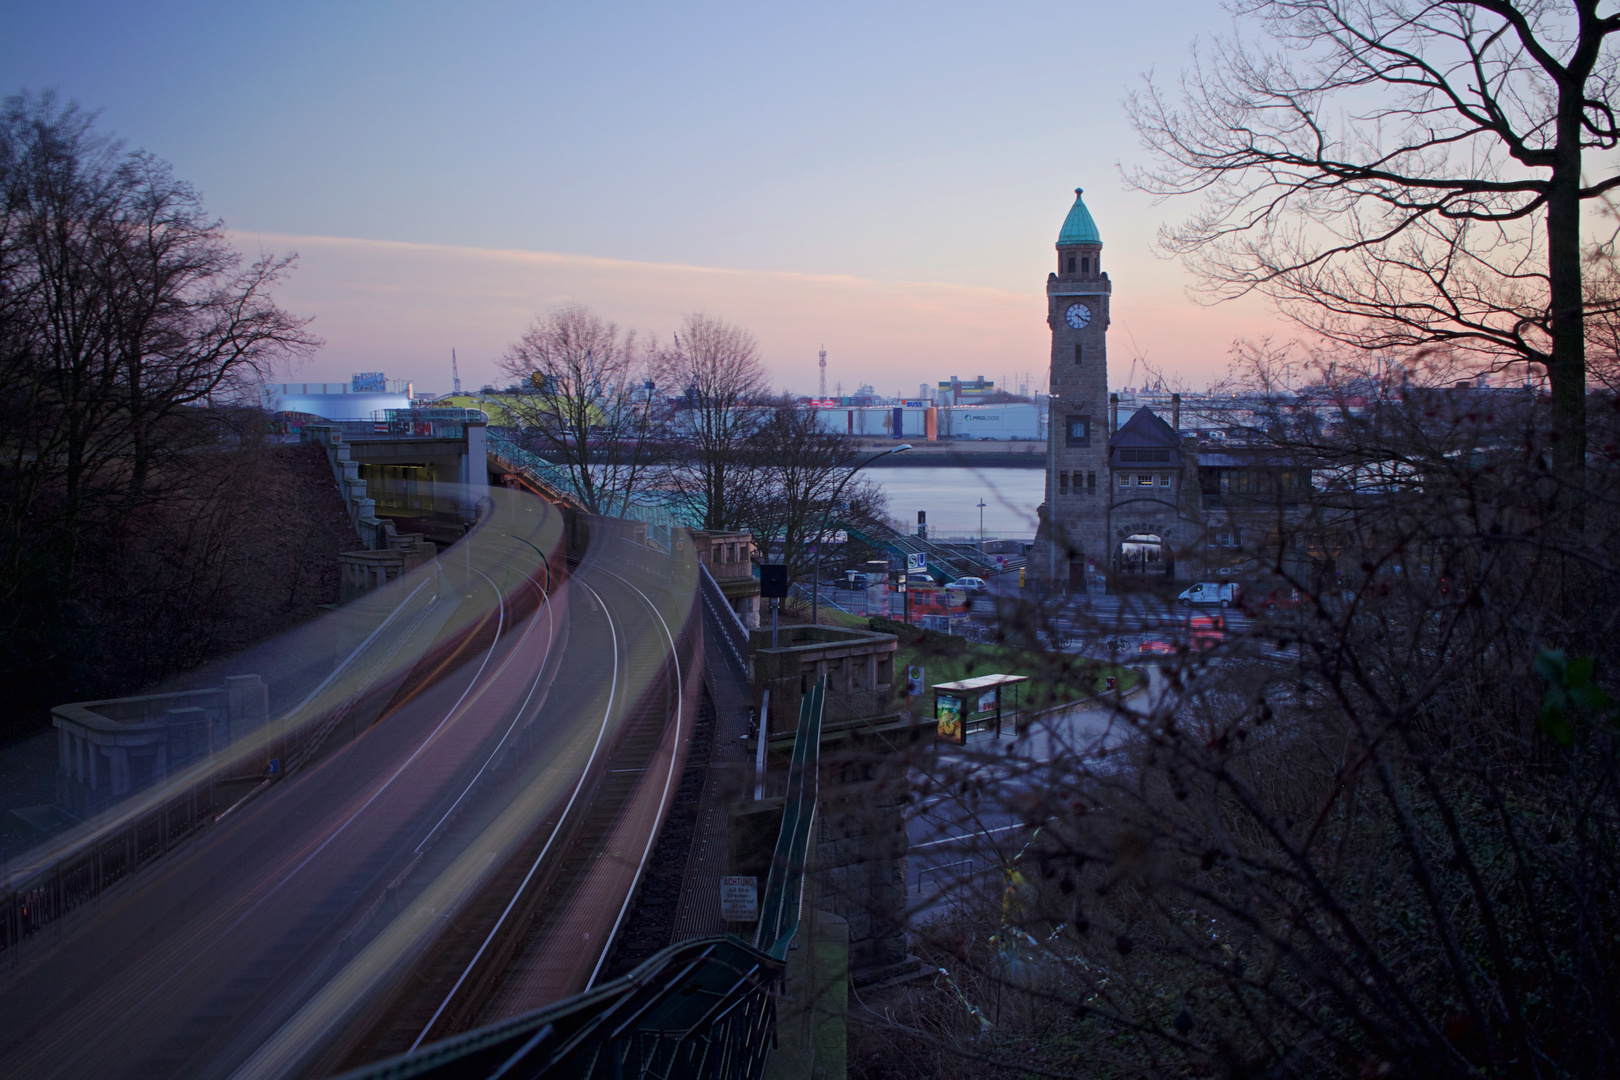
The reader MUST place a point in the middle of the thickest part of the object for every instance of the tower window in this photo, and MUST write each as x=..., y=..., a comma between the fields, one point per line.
x=1063, y=483
x=1085, y=265
x=1077, y=350
x=1091, y=483
x=1071, y=264
x=1079, y=431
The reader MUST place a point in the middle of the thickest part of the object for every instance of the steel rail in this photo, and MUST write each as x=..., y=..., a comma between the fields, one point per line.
x=539, y=860
x=676, y=762
x=265, y=896
x=517, y=715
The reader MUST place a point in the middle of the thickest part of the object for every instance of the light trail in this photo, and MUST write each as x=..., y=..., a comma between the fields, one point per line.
x=669, y=779
x=607, y=714
x=332, y=835
x=517, y=716
x=278, y=939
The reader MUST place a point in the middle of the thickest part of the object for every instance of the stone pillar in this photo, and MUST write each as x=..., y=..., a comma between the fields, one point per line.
x=474, y=467
x=118, y=769
x=860, y=857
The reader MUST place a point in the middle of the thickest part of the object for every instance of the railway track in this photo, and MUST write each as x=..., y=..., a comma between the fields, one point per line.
x=545, y=924
x=338, y=909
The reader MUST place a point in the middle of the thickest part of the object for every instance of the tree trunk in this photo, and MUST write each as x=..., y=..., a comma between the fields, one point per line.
x=1566, y=368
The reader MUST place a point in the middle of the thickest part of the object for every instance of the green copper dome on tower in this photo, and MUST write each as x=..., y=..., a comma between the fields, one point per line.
x=1078, y=228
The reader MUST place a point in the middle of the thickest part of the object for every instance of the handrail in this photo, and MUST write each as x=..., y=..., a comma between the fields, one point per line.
x=736, y=633
x=779, y=914
x=705, y=1003
x=635, y=506
x=532, y=465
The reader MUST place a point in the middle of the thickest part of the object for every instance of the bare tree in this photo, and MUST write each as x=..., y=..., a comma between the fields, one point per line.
x=1400, y=173
x=1371, y=828
x=588, y=402
x=801, y=472
x=126, y=320
x=717, y=368
x=122, y=304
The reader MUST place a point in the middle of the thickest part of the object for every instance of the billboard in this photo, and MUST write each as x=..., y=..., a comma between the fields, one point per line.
x=948, y=717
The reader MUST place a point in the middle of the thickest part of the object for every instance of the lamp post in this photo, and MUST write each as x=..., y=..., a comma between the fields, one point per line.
x=815, y=580
x=981, y=525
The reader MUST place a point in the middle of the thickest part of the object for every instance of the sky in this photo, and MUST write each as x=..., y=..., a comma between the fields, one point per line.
x=885, y=180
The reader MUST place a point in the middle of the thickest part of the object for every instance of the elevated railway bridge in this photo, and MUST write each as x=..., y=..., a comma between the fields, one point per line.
x=440, y=818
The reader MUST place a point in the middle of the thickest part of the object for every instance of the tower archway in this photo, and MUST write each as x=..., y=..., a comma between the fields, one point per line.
x=1141, y=553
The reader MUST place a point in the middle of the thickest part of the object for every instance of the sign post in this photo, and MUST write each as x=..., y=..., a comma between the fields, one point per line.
x=739, y=899
x=773, y=585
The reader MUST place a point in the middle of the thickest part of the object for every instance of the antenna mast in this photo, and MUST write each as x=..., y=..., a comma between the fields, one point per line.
x=824, y=371
x=455, y=375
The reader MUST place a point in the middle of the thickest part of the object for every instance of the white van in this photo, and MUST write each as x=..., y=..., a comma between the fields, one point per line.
x=1209, y=592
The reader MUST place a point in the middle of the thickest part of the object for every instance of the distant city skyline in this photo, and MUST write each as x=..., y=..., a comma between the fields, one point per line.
x=887, y=181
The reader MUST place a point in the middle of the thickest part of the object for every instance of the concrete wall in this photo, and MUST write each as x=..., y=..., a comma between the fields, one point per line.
x=729, y=557
x=109, y=749
x=858, y=665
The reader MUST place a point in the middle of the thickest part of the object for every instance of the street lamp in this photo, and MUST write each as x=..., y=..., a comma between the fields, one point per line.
x=815, y=579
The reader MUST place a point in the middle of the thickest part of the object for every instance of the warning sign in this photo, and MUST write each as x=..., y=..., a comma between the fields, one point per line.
x=739, y=899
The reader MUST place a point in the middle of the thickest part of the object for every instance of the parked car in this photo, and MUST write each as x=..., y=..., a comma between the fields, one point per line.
x=971, y=584
x=1155, y=645
x=1283, y=598
x=1211, y=592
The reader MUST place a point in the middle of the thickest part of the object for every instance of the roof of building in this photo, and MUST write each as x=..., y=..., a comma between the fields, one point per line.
x=1144, y=428
x=1078, y=228
x=982, y=682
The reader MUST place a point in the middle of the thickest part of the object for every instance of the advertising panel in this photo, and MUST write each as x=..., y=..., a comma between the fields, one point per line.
x=948, y=716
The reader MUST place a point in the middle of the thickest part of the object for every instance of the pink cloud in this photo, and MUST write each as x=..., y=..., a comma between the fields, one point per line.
x=400, y=308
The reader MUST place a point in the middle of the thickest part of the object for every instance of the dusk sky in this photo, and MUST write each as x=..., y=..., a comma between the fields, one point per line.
x=887, y=180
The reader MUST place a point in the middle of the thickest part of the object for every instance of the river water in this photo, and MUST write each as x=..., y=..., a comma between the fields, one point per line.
x=951, y=494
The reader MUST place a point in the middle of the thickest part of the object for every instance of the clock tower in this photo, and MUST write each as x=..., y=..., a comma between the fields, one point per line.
x=1074, y=527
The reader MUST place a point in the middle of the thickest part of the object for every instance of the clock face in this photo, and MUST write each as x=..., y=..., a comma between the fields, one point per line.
x=1078, y=315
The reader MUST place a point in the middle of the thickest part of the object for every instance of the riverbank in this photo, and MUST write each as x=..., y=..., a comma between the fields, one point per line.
x=958, y=453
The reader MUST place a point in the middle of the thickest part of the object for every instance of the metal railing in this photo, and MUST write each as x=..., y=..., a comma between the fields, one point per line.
x=736, y=633
x=68, y=872
x=537, y=468
x=945, y=562
x=662, y=520
x=85, y=871
x=784, y=890
x=704, y=1009
x=405, y=424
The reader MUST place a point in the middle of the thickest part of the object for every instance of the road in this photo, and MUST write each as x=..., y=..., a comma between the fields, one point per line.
x=959, y=840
